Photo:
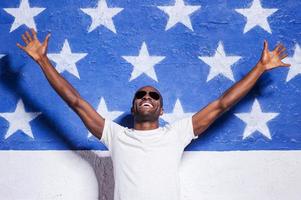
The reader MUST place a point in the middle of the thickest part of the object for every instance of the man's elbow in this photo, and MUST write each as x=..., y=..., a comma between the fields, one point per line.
x=222, y=106
x=75, y=103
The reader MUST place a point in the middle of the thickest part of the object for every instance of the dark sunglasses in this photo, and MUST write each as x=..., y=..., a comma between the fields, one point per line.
x=141, y=94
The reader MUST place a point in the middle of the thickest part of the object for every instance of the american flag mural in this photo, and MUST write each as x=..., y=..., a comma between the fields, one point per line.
x=192, y=51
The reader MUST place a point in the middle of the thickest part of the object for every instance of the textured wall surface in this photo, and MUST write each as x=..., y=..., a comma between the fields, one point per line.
x=192, y=51
x=87, y=175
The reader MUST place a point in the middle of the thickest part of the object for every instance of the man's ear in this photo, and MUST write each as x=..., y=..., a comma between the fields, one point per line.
x=161, y=111
x=132, y=110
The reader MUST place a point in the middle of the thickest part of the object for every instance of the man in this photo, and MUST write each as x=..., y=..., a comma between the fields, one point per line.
x=146, y=158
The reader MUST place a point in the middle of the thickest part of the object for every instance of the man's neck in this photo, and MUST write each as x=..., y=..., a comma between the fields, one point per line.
x=146, y=125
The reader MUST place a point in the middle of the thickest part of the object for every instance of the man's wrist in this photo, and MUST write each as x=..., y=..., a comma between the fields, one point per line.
x=261, y=67
x=42, y=60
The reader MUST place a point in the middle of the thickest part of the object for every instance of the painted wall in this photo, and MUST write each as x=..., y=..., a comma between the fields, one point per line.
x=192, y=51
x=79, y=175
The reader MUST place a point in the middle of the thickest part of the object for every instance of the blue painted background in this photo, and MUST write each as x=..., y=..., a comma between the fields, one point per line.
x=104, y=73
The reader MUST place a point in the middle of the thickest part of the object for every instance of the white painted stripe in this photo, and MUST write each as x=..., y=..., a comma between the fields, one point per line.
x=237, y=175
x=87, y=175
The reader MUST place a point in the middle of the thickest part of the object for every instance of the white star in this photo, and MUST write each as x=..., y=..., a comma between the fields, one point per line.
x=19, y=120
x=256, y=120
x=24, y=15
x=65, y=60
x=143, y=63
x=179, y=13
x=2, y=55
x=295, y=62
x=220, y=63
x=102, y=109
x=256, y=15
x=176, y=114
x=102, y=15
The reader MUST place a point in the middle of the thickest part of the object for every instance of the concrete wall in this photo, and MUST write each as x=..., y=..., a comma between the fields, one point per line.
x=47, y=153
x=88, y=175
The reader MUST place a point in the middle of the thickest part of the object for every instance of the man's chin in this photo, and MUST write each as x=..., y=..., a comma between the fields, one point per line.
x=146, y=111
x=146, y=116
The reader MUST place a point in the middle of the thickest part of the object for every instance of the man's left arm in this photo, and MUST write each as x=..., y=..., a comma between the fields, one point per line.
x=269, y=60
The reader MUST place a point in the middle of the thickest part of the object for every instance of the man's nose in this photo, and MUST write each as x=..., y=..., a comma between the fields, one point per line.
x=146, y=97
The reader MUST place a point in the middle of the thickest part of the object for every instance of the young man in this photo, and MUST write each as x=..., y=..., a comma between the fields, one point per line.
x=146, y=158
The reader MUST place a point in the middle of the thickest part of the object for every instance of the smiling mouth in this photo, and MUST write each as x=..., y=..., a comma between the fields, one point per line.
x=147, y=105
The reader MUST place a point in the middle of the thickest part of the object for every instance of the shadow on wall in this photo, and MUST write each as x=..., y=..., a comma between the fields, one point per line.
x=103, y=169
x=10, y=78
x=103, y=166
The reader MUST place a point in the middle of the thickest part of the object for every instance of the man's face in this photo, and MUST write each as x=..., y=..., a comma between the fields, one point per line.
x=147, y=104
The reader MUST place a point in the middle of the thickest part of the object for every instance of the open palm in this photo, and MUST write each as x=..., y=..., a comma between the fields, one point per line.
x=273, y=59
x=33, y=47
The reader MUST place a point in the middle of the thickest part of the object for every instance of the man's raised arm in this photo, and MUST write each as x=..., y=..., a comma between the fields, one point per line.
x=269, y=60
x=38, y=52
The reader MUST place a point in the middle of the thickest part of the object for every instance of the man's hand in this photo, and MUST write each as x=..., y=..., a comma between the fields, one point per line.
x=273, y=59
x=38, y=51
x=34, y=48
x=269, y=60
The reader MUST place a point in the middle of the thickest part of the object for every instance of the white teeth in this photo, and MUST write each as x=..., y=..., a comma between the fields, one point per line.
x=147, y=104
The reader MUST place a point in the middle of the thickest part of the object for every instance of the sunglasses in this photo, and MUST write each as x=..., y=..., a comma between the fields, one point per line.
x=141, y=94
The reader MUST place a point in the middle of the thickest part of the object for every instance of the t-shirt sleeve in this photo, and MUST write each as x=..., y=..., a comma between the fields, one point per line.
x=110, y=130
x=184, y=130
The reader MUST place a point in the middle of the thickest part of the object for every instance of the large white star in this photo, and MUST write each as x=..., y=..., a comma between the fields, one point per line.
x=102, y=109
x=256, y=120
x=24, y=15
x=19, y=120
x=65, y=60
x=220, y=63
x=179, y=13
x=256, y=15
x=102, y=15
x=177, y=113
x=143, y=63
x=295, y=62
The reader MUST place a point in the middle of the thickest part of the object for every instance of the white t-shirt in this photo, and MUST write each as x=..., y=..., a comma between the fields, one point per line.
x=146, y=163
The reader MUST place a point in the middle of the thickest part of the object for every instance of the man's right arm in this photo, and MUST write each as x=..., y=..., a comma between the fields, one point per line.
x=38, y=51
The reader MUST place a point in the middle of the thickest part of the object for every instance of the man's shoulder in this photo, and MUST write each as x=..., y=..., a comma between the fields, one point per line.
x=113, y=126
x=179, y=122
